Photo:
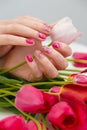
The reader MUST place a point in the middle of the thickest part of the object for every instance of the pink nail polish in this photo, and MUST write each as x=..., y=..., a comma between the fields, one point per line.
x=39, y=54
x=29, y=58
x=47, y=28
x=56, y=45
x=30, y=41
x=42, y=36
x=47, y=50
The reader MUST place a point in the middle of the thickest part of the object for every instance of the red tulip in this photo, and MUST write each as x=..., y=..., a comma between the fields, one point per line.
x=68, y=117
x=76, y=96
x=80, y=56
x=13, y=123
x=33, y=100
x=62, y=116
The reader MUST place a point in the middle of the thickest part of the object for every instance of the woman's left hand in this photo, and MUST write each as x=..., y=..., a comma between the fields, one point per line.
x=46, y=62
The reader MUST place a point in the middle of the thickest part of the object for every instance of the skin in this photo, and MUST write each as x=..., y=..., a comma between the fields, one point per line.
x=14, y=49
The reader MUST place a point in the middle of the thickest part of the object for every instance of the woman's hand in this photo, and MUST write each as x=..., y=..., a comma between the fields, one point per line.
x=21, y=32
x=46, y=62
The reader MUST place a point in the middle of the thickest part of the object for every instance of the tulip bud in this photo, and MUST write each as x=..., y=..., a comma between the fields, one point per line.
x=32, y=125
x=64, y=31
x=13, y=123
x=33, y=100
x=80, y=79
x=80, y=56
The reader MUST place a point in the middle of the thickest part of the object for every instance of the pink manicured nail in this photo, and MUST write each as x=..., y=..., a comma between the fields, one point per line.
x=39, y=54
x=47, y=49
x=47, y=27
x=42, y=36
x=30, y=41
x=29, y=58
x=56, y=45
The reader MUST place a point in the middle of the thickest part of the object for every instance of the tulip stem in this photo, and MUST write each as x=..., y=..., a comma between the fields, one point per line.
x=24, y=62
x=7, y=92
x=44, y=122
x=51, y=83
x=73, y=70
x=23, y=113
x=77, y=60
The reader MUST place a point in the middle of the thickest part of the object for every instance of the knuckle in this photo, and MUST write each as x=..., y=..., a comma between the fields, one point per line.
x=11, y=27
x=25, y=17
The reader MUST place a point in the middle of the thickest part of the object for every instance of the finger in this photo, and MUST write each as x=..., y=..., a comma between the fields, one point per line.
x=63, y=48
x=4, y=50
x=36, y=73
x=47, y=67
x=21, y=30
x=59, y=61
x=30, y=18
x=6, y=39
x=41, y=27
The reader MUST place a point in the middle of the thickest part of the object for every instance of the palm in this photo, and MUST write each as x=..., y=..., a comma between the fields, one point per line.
x=17, y=56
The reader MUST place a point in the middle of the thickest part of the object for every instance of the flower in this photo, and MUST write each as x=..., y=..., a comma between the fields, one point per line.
x=33, y=100
x=32, y=125
x=13, y=123
x=55, y=89
x=64, y=31
x=62, y=116
x=79, y=56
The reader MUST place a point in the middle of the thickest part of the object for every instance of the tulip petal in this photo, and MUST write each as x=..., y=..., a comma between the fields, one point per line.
x=64, y=31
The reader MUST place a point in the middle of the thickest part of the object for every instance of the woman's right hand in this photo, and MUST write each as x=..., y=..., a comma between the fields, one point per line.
x=21, y=32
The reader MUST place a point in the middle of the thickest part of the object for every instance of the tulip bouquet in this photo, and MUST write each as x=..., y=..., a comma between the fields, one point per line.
x=60, y=103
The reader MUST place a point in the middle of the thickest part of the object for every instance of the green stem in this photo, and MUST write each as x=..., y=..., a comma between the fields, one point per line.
x=13, y=68
x=62, y=73
x=7, y=92
x=77, y=60
x=24, y=62
x=73, y=70
x=44, y=122
x=26, y=115
x=50, y=83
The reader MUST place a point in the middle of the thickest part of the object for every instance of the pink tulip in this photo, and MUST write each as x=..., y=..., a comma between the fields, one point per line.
x=55, y=89
x=80, y=79
x=13, y=123
x=79, y=56
x=32, y=125
x=64, y=31
x=33, y=100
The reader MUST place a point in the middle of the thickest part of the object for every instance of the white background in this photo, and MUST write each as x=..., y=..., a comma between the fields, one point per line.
x=48, y=10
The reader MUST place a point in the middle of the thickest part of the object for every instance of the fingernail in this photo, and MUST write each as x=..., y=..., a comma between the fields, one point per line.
x=30, y=41
x=47, y=27
x=42, y=36
x=39, y=54
x=29, y=58
x=47, y=49
x=56, y=45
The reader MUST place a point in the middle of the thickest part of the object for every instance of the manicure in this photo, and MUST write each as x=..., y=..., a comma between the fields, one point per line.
x=30, y=41
x=47, y=49
x=42, y=36
x=56, y=45
x=39, y=54
x=29, y=58
x=47, y=27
